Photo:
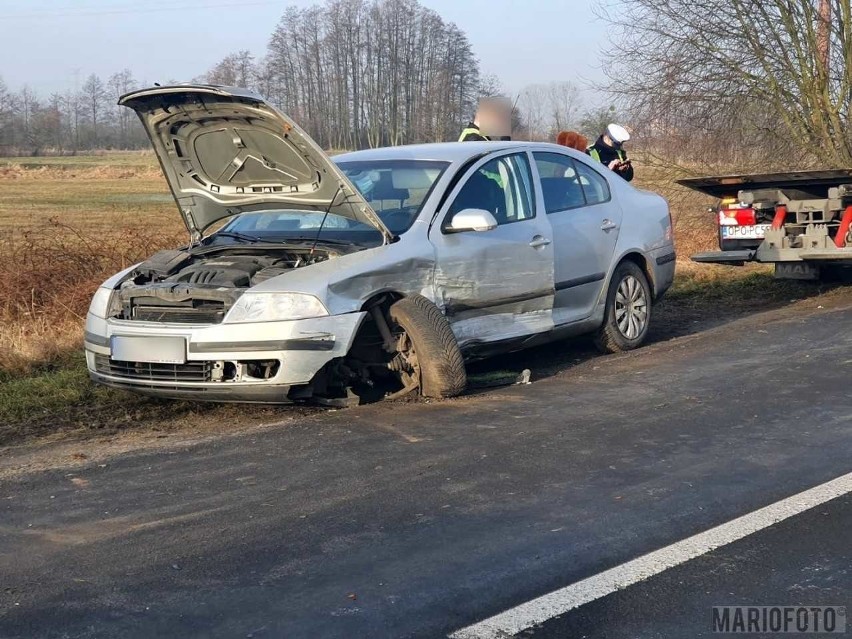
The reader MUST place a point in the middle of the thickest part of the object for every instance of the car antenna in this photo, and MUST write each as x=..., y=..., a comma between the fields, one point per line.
x=325, y=215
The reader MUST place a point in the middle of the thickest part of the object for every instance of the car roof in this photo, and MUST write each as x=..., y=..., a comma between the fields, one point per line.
x=444, y=151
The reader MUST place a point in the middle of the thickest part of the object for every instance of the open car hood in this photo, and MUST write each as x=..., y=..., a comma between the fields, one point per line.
x=225, y=150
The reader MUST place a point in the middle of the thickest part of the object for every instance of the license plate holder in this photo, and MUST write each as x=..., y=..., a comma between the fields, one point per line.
x=148, y=349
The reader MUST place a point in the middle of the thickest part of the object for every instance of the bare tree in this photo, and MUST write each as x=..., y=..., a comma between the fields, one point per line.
x=490, y=86
x=7, y=116
x=52, y=122
x=595, y=120
x=236, y=70
x=755, y=82
x=549, y=108
x=119, y=84
x=532, y=103
x=94, y=95
x=27, y=108
x=357, y=73
x=564, y=103
x=74, y=106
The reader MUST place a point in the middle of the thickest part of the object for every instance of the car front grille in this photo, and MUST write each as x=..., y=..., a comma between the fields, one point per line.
x=179, y=314
x=145, y=371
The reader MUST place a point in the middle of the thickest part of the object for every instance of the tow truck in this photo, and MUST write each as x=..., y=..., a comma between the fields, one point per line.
x=798, y=221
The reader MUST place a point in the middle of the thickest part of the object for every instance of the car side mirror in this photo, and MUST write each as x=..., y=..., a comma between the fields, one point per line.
x=472, y=220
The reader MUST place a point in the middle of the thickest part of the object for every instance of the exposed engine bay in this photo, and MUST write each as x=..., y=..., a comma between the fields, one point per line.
x=200, y=286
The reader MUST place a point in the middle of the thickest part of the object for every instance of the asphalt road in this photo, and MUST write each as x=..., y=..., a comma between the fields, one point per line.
x=414, y=520
x=805, y=561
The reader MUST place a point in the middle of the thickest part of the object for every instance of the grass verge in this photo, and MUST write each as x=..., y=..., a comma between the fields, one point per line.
x=60, y=402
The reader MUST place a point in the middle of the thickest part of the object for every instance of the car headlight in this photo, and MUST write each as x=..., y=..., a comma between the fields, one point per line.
x=101, y=305
x=273, y=307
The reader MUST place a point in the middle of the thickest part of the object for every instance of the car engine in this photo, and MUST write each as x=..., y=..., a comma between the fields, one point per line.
x=180, y=286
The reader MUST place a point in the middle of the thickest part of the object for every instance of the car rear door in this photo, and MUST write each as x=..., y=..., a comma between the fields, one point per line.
x=495, y=285
x=585, y=221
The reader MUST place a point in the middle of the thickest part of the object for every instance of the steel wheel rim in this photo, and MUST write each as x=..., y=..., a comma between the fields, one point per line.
x=406, y=363
x=631, y=307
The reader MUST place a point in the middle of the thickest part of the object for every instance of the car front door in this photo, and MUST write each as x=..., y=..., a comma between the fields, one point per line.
x=497, y=284
x=585, y=222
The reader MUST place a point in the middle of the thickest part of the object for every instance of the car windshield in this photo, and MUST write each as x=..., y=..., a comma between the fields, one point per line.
x=396, y=189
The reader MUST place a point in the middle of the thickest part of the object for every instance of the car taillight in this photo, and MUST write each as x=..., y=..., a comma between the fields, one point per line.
x=735, y=216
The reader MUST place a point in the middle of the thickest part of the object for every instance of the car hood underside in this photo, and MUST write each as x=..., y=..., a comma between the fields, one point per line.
x=225, y=151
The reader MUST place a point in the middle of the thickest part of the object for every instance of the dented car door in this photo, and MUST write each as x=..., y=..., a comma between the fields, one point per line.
x=495, y=285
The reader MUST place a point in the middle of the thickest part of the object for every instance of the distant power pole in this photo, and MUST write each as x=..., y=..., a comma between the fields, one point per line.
x=824, y=36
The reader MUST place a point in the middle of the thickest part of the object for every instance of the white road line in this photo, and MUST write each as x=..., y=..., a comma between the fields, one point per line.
x=560, y=601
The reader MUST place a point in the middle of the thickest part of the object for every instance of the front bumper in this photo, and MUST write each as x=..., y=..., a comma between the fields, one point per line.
x=243, y=393
x=221, y=360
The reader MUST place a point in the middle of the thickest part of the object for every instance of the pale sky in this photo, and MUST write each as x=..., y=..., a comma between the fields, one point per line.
x=44, y=43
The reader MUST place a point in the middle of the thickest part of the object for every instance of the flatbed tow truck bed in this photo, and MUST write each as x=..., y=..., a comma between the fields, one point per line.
x=799, y=221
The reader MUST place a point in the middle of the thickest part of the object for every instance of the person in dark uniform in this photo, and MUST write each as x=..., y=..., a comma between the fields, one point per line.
x=471, y=133
x=609, y=150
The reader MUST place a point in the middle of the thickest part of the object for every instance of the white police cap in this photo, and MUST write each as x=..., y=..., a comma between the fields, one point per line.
x=617, y=133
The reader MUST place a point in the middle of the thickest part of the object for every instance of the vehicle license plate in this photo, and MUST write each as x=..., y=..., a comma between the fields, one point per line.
x=148, y=349
x=753, y=232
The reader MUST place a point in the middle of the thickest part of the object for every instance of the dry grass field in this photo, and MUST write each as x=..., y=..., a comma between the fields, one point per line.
x=68, y=223
x=65, y=224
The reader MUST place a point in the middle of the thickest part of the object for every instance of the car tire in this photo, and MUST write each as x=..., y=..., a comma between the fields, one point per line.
x=628, y=310
x=439, y=364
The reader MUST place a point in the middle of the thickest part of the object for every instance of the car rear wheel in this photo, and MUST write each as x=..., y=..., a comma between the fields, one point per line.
x=427, y=354
x=628, y=310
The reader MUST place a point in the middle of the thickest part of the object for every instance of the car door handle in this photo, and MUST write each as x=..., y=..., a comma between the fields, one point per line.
x=608, y=225
x=538, y=241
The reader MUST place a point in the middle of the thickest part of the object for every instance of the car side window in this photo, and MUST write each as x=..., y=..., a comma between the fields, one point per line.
x=560, y=182
x=594, y=185
x=502, y=186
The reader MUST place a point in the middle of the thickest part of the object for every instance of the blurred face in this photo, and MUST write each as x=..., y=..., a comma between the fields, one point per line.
x=610, y=142
x=494, y=117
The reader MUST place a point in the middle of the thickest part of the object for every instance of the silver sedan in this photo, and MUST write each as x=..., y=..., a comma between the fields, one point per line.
x=370, y=275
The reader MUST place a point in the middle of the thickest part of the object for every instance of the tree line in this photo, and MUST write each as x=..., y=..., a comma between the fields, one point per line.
x=357, y=74
x=353, y=73
x=73, y=121
x=756, y=84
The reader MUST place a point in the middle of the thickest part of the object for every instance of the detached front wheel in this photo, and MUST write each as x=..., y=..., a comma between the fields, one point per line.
x=427, y=354
x=628, y=310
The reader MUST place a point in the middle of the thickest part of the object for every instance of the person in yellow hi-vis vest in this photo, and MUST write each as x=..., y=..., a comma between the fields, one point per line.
x=609, y=150
x=472, y=133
